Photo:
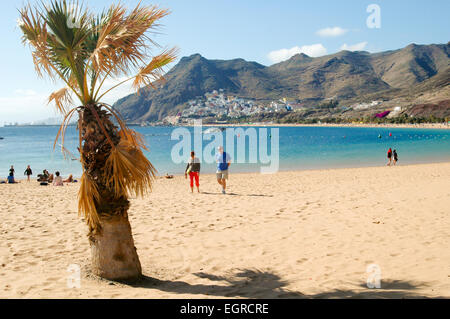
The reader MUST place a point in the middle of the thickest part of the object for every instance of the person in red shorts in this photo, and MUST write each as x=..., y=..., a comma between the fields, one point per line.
x=193, y=169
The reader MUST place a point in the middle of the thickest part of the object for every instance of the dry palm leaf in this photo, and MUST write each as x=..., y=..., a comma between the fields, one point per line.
x=87, y=196
x=128, y=171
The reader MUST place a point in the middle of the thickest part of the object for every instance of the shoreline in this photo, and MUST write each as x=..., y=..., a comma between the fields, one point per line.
x=416, y=126
x=262, y=124
x=291, y=171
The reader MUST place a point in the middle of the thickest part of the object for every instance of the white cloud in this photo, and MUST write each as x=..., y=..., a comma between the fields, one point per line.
x=25, y=92
x=25, y=106
x=332, y=32
x=313, y=50
x=355, y=47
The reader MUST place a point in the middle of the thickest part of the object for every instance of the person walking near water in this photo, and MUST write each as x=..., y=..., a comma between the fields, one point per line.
x=193, y=169
x=223, y=163
x=395, y=157
x=389, y=156
x=28, y=172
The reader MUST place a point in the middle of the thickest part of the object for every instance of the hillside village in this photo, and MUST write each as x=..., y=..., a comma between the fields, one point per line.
x=217, y=104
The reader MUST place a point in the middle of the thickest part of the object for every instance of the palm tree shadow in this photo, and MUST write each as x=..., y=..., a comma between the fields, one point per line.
x=245, y=283
x=234, y=194
x=250, y=283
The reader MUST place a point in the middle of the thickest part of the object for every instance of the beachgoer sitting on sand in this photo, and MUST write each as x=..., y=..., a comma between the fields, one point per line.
x=168, y=176
x=193, y=169
x=58, y=180
x=50, y=178
x=43, y=177
x=11, y=179
x=69, y=179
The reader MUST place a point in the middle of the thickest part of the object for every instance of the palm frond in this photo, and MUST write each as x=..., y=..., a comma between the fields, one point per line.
x=127, y=170
x=87, y=196
x=62, y=99
x=154, y=70
x=123, y=44
x=63, y=127
x=133, y=137
x=35, y=33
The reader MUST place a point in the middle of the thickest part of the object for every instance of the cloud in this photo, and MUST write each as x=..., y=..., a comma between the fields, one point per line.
x=332, y=32
x=24, y=106
x=355, y=47
x=25, y=92
x=313, y=50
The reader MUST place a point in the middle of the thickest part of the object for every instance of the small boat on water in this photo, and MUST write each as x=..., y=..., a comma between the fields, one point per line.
x=1, y=138
x=213, y=130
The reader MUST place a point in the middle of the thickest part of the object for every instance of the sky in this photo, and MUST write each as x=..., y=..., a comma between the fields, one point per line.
x=266, y=31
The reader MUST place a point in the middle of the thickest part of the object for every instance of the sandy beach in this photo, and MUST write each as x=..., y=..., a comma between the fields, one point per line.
x=300, y=234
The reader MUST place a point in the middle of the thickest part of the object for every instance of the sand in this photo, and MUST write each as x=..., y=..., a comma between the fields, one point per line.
x=302, y=234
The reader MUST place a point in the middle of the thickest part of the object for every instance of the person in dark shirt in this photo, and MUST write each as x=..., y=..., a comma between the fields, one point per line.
x=28, y=172
x=11, y=170
x=193, y=169
x=395, y=157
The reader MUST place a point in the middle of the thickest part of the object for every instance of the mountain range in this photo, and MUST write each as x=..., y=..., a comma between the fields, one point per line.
x=347, y=77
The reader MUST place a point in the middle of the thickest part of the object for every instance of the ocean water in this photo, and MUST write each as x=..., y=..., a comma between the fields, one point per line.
x=300, y=148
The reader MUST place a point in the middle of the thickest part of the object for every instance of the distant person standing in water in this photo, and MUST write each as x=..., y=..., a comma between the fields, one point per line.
x=193, y=169
x=11, y=170
x=28, y=172
x=223, y=163
x=395, y=157
x=389, y=156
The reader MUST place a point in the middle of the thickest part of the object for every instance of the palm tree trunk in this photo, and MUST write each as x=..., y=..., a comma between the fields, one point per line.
x=113, y=252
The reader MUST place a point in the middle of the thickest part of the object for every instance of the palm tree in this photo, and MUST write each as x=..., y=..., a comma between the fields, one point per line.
x=70, y=43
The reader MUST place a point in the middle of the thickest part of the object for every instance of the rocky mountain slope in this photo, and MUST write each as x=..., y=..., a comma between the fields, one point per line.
x=345, y=76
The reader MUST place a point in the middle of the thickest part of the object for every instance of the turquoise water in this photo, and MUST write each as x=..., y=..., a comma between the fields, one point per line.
x=299, y=148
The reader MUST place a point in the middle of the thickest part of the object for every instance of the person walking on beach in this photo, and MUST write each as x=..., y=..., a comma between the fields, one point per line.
x=193, y=169
x=389, y=156
x=223, y=163
x=28, y=172
x=395, y=157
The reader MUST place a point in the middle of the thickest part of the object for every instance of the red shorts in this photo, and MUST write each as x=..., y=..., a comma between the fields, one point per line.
x=192, y=176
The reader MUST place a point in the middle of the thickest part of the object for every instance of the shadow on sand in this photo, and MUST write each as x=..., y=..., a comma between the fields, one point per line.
x=234, y=194
x=266, y=285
